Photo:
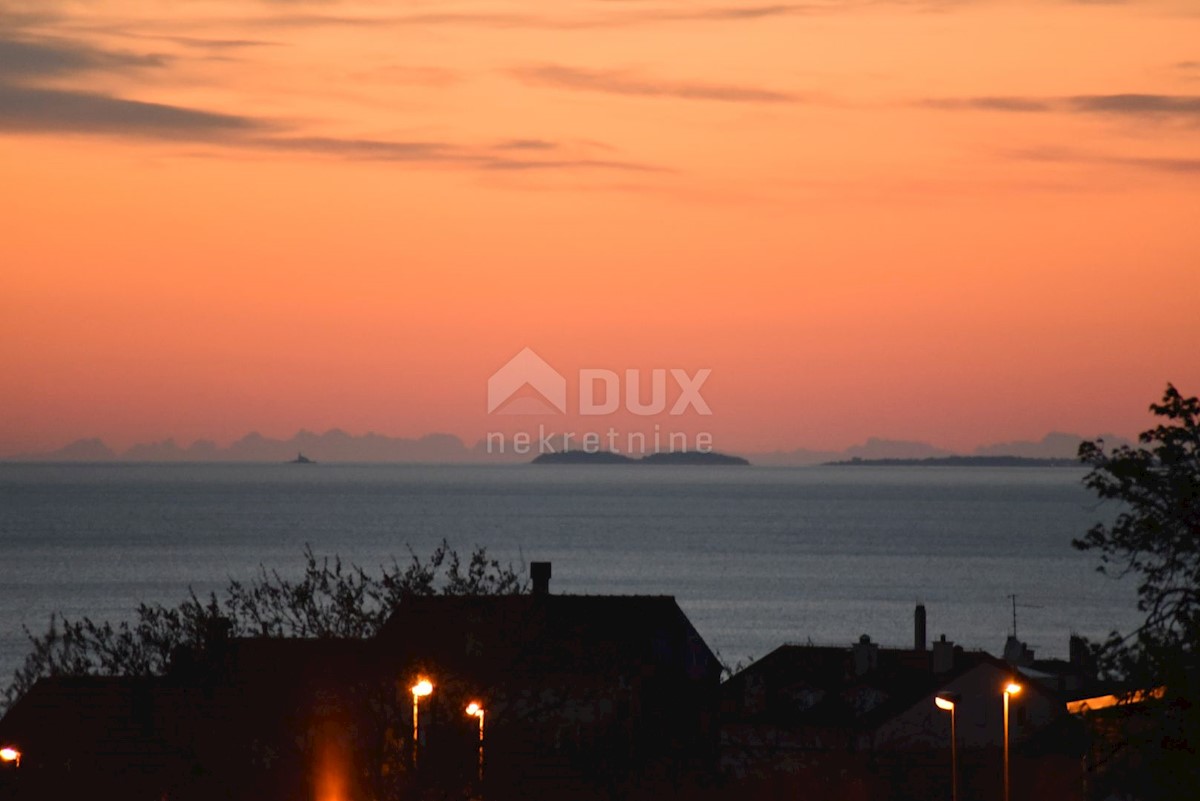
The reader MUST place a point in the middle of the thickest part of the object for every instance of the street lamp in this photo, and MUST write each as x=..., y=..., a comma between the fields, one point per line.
x=10, y=754
x=949, y=701
x=422, y=688
x=1010, y=689
x=474, y=709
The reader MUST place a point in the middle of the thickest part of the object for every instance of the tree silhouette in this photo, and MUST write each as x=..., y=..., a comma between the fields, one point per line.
x=329, y=599
x=1155, y=537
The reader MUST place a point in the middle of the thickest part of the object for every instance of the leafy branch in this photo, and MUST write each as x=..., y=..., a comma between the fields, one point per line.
x=328, y=599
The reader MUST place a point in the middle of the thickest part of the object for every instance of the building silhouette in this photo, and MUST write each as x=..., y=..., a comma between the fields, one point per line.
x=595, y=696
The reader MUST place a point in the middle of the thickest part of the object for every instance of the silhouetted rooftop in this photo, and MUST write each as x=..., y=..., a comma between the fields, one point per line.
x=819, y=685
x=550, y=633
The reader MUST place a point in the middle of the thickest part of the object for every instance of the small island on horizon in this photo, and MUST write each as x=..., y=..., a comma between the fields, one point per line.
x=691, y=458
x=958, y=461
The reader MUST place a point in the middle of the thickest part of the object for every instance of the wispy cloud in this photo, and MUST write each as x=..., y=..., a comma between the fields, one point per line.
x=1137, y=104
x=24, y=58
x=569, y=164
x=56, y=111
x=526, y=144
x=1161, y=164
x=722, y=13
x=989, y=103
x=206, y=43
x=29, y=104
x=363, y=149
x=495, y=157
x=1074, y=156
x=623, y=18
x=13, y=18
x=29, y=109
x=286, y=21
x=1128, y=105
x=623, y=82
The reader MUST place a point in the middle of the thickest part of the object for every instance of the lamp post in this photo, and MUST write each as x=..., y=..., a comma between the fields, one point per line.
x=10, y=754
x=422, y=688
x=474, y=709
x=949, y=701
x=1010, y=689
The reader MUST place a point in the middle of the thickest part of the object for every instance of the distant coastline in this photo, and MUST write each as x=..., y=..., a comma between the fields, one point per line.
x=336, y=445
x=691, y=458
x=959, y=461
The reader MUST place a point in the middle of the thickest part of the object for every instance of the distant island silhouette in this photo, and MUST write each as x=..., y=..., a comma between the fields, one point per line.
x=709, y=458
x=958, y=461
x=337, y=445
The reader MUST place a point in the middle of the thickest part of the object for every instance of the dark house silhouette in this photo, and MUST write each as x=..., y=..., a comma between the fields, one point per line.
x=592, y=696
x=590, y=690
x=92, y=735
x=861, y=722
x=245, y=718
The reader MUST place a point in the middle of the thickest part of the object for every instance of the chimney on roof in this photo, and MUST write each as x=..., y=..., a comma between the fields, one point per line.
x=919, y=628
x=1081, y=655
x=943, y=655
x=1017, y=652
x=866, y=656
x=540, y=572
x=1081, y=658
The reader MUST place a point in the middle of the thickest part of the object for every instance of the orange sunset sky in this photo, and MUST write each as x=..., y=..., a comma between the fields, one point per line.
x=958, y=222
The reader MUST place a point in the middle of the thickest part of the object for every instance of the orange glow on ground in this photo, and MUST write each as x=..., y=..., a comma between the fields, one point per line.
x=332, y=770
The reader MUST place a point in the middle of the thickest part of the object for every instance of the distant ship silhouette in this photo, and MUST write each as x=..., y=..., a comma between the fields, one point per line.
x=301, y=459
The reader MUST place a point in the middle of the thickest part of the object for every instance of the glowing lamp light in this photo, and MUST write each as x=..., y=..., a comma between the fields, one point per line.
x=948, y=701
x=475, y=710
x=1010, y=689
x=10, y=754
x=422, y=688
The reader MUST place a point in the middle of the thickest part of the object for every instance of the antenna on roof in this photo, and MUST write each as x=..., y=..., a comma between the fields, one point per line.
x=1013, y=597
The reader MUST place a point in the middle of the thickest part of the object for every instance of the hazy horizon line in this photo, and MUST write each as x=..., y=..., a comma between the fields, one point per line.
x=338, y=445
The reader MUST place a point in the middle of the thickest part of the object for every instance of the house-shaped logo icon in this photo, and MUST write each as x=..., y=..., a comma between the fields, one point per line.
x=527, y=385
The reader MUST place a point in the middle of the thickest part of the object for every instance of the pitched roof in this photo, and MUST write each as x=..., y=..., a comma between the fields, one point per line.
x=551, y=633
x=819, y=686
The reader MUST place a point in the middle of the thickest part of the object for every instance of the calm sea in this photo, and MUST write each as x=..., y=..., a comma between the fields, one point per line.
x=755, y=556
